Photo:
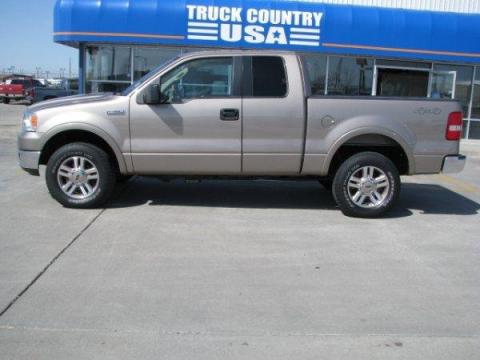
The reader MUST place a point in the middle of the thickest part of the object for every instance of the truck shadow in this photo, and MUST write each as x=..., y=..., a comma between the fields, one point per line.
x=425, y=198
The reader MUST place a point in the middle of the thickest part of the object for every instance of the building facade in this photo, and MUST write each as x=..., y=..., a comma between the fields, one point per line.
x=406, y=48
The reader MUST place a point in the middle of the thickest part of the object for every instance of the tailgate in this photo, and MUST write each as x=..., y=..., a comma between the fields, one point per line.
x=12, y=89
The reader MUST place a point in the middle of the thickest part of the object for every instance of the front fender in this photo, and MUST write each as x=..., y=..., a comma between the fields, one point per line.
x=61, y=128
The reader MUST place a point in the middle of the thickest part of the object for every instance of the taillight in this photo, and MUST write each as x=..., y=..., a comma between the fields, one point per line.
x=454, y=126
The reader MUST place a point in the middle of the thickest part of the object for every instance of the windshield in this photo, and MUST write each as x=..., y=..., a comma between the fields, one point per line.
x=147, y=77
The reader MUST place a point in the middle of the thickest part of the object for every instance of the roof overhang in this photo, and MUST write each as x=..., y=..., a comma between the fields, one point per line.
x=283, y=25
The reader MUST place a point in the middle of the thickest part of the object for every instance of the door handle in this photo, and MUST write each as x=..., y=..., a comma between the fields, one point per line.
x=229, y=114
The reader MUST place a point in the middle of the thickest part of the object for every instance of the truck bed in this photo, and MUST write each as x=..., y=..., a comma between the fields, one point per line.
x=416, y=125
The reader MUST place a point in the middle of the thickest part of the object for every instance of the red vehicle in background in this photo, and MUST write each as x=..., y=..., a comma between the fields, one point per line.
x=17, y=89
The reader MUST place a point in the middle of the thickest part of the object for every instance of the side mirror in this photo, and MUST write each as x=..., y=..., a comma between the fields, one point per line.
x=151, y=95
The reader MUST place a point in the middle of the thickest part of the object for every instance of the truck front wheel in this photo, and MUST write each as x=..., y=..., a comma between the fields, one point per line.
x=80, y=175
x=366, y=185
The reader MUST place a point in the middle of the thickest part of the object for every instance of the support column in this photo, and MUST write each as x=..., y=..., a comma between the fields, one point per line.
x=81, y=68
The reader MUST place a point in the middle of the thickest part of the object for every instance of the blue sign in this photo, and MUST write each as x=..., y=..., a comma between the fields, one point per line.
x=282, y=24
x=254, y=26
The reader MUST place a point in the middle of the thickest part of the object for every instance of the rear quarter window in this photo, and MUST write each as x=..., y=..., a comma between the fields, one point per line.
x=269, y=77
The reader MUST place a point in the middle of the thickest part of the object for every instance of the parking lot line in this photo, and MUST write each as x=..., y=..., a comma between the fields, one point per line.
x=459, y=184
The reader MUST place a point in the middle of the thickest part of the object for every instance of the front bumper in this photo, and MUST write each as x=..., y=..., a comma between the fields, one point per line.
x=453, y=164
x=29, y=161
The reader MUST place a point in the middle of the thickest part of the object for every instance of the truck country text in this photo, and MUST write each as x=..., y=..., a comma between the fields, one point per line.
x=239, y=114
x=254, y=26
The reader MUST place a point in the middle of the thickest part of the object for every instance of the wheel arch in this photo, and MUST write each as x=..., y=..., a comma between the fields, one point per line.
x=62, y=135
x=380, y=140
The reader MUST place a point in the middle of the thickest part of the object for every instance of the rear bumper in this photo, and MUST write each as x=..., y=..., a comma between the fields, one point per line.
x=453, y=164
x=13, y=96
x=29, y=161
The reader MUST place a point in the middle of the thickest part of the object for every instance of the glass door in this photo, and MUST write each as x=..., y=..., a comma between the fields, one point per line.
x=443, y=84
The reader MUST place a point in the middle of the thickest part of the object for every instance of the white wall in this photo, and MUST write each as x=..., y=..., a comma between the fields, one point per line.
x=458, y=6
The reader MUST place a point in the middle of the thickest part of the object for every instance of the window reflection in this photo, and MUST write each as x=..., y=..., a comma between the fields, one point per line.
x=444, y=76
x=108, y=63
x=96, y=87
x=350, y=76
x=474, y=130
x=476, y=96
x=147, y=59
x=316, y=67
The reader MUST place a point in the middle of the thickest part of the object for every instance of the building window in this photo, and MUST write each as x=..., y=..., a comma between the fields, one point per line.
x=316, y=70
x=474, y=131
x=350, y=76
x=452, y=81
x=147, y=59
x=402, y=64
x=108, y=68
x=402, y=83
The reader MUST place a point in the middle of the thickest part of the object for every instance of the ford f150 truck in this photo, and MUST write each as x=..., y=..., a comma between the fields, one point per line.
x=239, y=114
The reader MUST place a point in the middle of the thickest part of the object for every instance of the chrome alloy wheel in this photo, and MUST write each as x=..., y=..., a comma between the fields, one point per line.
x=368, y=187
x=78, y=177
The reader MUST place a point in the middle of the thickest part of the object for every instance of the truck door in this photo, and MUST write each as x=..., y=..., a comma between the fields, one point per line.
x=197, y=129
x=273, y=115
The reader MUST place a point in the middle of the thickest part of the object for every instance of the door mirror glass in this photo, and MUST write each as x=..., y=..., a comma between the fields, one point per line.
x=151, y=95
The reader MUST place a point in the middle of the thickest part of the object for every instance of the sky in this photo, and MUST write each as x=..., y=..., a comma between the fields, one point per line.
x=26, y=38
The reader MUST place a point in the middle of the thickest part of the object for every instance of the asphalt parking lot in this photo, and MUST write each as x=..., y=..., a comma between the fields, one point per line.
x=237, y=270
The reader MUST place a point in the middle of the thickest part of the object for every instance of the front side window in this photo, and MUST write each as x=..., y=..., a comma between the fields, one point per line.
x=203, y=78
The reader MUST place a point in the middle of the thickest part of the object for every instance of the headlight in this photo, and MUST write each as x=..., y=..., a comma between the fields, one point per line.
x=30, y=122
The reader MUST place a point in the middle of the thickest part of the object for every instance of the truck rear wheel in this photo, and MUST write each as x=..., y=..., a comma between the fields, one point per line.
x=366, y=185
x=80, y=175
x=6, y=100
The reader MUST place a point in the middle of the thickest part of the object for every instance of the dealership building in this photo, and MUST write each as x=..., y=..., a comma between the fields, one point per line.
x=401, y=48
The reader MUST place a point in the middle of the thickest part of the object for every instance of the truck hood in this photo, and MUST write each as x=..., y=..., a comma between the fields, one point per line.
x=70, y=100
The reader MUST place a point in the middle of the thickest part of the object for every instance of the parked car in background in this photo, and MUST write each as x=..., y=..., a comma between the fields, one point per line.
x=17, y=89
x=67, y=87
x=54, y=82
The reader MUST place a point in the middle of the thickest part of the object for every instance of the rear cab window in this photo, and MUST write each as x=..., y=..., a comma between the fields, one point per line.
x=264, y=76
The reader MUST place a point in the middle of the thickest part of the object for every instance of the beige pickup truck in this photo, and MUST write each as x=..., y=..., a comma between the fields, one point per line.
x=239, y=114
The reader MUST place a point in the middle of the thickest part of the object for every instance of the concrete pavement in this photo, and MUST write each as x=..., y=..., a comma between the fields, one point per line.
x=237, y=270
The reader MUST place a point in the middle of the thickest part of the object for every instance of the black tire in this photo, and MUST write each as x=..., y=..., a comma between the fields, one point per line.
x=6, y=100
x=103, y=189
x=343, y=195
